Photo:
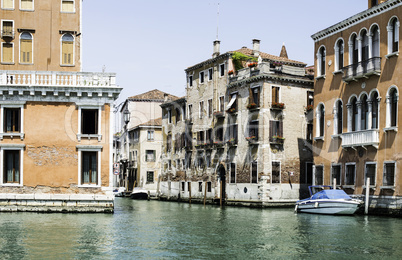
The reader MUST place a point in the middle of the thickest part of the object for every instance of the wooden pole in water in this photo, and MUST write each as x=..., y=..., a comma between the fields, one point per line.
x=366, y=203
x=221, y=195
x=205, y=192
x=334, y=183
x=189, y=192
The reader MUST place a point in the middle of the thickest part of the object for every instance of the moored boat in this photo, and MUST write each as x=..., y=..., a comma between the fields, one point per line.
x=139, y=194
x=328, y=201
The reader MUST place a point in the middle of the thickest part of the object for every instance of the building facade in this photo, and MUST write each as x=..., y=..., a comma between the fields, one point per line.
x=356, y=105
x=55, y=121
x=244, y=137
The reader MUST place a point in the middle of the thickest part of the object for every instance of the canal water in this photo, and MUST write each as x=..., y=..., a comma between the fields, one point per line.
x=167, y=230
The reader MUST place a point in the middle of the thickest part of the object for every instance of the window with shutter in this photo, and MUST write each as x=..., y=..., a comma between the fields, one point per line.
x=26, y=48
x=8, y=49
x=67, y=6
x=26, y=5
x=67, y=49
x=7, y=4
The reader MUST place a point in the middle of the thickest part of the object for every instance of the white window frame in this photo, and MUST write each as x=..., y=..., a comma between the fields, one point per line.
x=150, y=135
x=190, y=81
x=349, y=185
x=320, y=61
x=390, y=32
x=153, y=177
x=314, y=173
x=251, y=172
x=2, y=2
x=210, y=74
x=169, y=115
x=336, y=117
x=318, y=135
x=222, y=72
x=61, y=51
x=12, y=104
x=365, y=174
x=29, y=10
x=210, y=107
x=89, y=148
x=14, y=147
x=384, y=167
x=220, y=104
x=79, y=131
x=340, y=174
x=3, y=62
x=32, y=50
x=337, y=69
x=389, y=109
x=229, y=167
x=201, y=79
x=61, y=6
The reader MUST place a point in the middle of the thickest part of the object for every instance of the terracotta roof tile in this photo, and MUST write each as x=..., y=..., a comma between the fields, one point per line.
x=153, y=95
x=264, y=55
x=153, y=122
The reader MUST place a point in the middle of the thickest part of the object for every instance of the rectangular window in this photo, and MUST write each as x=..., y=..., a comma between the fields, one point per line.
x=309, y=134
x=199, y=186
x=190, y=111
x=253, y=130
x=89, y=121
x=275, y=94
x=150, y=155
x=208, y=159
x=254, y=172
x=150, y=177
x=26, y=5
x=150, y=135
x=336, y=173
x=190, y=81
x=7, y=52
x=89, y=173
x=319, y=175
x=233, y=134
x=189, y=186
x=67, y=48
x=208, y=136
x=169, y=165
x=7, y=4
x=169, y=115
x=275, y=130
x=222, y=70
x=67, y=6
x=221, y=103
x=350, y=174
x=309, y=173
x=11, y=166
x=169, y=142
x=276, y=172
x=188, y=160
x=178, y=115
x=209, y=186
x=255, y=96
x=232, y=173
x=12, y=120
x=389, y=174
x=310, y=98
x=219, y=134
x=201, y=111
x=210, y=108
x=183, y=185
x=202, y=77
x=210, y=74
x=370, y=172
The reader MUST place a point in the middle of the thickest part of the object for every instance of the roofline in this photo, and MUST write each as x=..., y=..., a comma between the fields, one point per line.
x=180, y=100
x=144, y=126
x=209, y=61
x=357, y=18
x=272, y=77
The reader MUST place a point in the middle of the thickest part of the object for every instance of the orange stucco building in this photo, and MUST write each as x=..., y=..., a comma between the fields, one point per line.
x=55, y=121
x=357, y=108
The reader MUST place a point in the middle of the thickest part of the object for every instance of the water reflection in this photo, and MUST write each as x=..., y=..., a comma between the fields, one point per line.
x=164, y=230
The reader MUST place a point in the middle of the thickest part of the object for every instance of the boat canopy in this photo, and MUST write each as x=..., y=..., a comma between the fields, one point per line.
x=331, y=194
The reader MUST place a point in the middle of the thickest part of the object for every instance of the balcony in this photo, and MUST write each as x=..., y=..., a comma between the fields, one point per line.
x=361, y=138
x=362, y=69
x=219, y=114
x=7, y=33
x=57, y=78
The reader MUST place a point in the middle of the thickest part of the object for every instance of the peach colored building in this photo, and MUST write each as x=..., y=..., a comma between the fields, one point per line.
x=356, y=104
x=55, y=121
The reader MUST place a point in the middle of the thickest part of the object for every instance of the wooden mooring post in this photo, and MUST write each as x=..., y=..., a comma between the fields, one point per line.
x=189, y=192
x=205, y=192
x=366, y=203
x=221, y=194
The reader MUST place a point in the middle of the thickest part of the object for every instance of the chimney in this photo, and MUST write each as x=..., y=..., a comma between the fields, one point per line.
x=217, y=45
x=256, y=47
x=372, y=3
x=165, y=97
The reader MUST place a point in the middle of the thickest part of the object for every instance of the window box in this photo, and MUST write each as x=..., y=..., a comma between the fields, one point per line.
x=231, y=110
x=277, y=105
x=252, y=64
x=219, y=114
x=252, y=139
x=218, y=144
x=230, y=72
x=252, y=106
x=308, y=108
x=277, y=139
x=232, y=142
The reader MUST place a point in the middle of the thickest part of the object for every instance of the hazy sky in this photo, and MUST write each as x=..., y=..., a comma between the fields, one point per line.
x=149, y=43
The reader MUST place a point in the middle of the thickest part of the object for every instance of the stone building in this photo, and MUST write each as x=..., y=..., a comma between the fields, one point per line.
x=55, y=121
x=356, y=105
x=244, y=140
x=141, y=134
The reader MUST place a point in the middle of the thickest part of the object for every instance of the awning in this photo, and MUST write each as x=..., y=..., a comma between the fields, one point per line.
x=231, y=101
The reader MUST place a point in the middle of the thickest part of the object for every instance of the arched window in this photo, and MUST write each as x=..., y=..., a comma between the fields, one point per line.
x=320, y=115
x=375, y=47
x=339, y=50
x=338, y=117
x=321, y=61
x=26, y=48
x=393, y=35
x=392, y=107
x=364, y=113
x=374, y=110
x=67, y=49
x=353, y=115
x=353, y=50
x=365, y=45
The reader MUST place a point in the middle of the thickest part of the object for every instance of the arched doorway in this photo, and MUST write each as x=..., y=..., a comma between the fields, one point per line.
x=221, y=172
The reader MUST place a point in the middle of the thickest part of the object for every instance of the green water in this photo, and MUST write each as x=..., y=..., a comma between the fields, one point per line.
x=168, y=230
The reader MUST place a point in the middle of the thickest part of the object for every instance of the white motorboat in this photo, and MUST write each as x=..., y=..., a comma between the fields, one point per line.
x=328, y=201
x=139, y=193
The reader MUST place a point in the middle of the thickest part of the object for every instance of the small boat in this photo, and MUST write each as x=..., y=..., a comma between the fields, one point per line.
x=119, y=192
x=139, y=194
x=328, y=201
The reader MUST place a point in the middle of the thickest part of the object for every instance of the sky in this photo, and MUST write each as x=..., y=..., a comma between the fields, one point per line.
x=150, y=43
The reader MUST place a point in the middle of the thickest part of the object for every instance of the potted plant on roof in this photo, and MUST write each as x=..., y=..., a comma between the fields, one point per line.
x=230, y=72
x=252, y=65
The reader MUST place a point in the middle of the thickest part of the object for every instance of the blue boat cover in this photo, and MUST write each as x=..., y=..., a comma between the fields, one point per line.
x=330, y=194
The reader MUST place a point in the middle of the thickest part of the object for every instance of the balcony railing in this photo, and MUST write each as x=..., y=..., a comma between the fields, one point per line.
x=361, y=138
x=362, y=69
x=57, y=78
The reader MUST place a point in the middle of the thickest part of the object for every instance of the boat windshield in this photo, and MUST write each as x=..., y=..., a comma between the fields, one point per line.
x=331, y=194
